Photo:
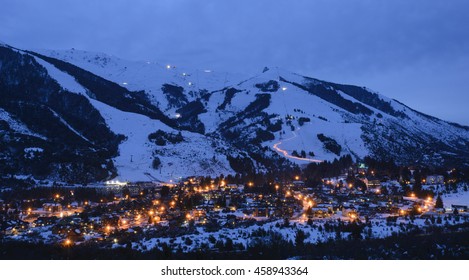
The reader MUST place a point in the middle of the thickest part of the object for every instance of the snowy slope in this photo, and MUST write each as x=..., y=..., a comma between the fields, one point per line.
x=16, y=125
x=145, y=75
x=195, y=156
x=358, y=120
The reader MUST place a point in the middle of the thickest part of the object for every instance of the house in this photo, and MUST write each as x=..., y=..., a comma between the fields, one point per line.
x=350, y=213
x=45, y=221
x=52, y=207
x=261, y=212
x=362, y=168
x=320, y=212
x=298, y=183
x=199, y=214
x=435, y=180
x=373, y=183
x=460, y=208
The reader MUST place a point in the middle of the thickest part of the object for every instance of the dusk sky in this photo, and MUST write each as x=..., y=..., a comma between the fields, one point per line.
x=414, y=51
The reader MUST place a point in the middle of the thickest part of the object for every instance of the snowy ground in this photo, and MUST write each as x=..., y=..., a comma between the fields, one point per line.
x=459, y=198
x=379, y=229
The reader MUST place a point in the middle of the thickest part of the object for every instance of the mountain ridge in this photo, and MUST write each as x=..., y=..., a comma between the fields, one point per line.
x=233, y=125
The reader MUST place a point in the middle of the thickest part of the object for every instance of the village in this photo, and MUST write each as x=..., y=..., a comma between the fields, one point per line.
x=200, y=211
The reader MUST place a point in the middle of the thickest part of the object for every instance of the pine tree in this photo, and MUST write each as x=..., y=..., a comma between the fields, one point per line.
x=439, y=202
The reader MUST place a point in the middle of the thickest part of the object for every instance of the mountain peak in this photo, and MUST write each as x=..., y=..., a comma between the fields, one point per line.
x=174, y=122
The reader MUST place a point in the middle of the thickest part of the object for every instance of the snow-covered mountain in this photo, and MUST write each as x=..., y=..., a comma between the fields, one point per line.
x=81, y=116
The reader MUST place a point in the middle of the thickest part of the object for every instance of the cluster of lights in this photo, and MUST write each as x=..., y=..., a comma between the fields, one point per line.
x=115, y=183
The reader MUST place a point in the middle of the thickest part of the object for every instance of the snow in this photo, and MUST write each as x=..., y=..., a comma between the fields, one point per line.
x=64, y=79
x=17, y=126
x=378, y=228
x=145, y=75
x=459, y=198
x=136, y=152
x=33, y=149
x=194, y=155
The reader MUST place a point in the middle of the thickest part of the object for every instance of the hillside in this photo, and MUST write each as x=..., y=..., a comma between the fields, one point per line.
x=99, y=117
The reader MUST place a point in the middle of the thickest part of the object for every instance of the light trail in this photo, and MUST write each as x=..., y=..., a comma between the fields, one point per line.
x=287, y=155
